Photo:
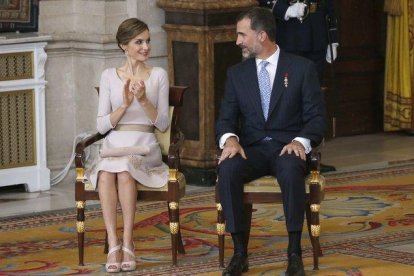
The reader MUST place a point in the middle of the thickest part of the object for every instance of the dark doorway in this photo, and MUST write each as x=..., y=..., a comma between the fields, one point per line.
x=355, y=82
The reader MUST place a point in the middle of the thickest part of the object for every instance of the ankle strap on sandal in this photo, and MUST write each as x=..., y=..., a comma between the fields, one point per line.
x=114, y=249
x=127, y=250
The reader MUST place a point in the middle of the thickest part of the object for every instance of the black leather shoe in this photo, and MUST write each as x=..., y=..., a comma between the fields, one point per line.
x=237, y=265
x=326, y=168
x=295, y=266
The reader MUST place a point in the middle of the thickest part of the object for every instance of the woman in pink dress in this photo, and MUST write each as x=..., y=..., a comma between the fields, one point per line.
x=133, y=101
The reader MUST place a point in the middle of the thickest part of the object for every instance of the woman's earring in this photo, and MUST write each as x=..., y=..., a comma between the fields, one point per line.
x=126, y=52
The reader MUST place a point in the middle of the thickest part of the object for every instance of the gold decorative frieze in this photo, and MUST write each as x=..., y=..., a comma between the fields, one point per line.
x=174, y=227
x=173, y=205
x=80, y=174
x=205, y=4
x=16, y=66
x=173, y=175
x=314, y=177
x=17, y=129
x=315, y=230
x=80, y=204
x=80, y=226
x=315, y=207
x=220, y=228
x=89, y=186
x=223, y=33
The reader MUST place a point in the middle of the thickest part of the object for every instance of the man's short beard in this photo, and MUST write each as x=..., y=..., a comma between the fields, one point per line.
x=246, y=53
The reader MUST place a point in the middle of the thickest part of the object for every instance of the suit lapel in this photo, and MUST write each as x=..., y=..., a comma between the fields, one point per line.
x=252, y=86
x=278, y=84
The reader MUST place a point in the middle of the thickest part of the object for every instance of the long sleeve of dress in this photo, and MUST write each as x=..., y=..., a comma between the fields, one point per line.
x=162, y=121
x=103, y=123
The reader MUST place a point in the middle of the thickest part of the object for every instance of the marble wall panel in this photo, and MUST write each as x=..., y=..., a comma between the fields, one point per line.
x=56, y=23
x=62, y=7
x=60, y=110
x=92, y=7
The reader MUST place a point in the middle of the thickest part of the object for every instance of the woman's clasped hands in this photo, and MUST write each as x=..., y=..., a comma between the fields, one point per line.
x=138, y=89
x=133, y=89
x=128, y=96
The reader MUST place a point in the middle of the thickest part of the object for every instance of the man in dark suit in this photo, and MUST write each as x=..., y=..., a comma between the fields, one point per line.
x=271, y=115
x=307, y=28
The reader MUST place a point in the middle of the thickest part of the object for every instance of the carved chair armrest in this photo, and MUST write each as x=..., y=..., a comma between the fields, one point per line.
x=82, y=145
x=314, y=161
x=173, y=159
x=315, y=180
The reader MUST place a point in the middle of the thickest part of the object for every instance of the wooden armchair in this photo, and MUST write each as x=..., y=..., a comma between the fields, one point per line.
x=170, y=142
x=267, y=190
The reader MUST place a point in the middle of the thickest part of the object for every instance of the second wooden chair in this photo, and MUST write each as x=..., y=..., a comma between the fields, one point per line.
x=267, y=190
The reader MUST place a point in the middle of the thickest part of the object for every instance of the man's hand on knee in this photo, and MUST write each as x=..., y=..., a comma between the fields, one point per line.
x=294, y=147
x=231, y=148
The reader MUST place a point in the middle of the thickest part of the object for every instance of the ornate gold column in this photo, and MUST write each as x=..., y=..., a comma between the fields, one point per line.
x=201, y=46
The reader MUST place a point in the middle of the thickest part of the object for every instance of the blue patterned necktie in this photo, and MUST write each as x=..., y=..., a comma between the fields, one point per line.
x=264, y=86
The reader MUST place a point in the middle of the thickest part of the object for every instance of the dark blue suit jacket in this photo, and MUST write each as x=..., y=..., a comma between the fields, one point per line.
x=295, y=111
x=308, y=36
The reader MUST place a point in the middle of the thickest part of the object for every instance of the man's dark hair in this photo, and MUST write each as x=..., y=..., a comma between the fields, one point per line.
x=261, y=19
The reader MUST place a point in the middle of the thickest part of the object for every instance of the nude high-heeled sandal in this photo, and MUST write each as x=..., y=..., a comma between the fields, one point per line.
x=113, y=267
x=130, y=265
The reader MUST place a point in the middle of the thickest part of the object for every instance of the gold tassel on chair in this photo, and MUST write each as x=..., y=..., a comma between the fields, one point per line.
x=393, y=7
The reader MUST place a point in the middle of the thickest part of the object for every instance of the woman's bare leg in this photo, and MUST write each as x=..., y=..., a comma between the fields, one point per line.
x=109, y=199
x=127, y=192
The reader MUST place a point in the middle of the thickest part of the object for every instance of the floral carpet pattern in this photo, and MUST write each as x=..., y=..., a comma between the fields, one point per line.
x=367, y=221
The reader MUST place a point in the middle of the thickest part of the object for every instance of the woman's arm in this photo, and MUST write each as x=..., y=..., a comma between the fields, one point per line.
x=157, y=115
x=128, y=97
x=108, y=119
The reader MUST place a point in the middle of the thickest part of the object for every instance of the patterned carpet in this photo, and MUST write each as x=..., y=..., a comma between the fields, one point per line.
x=367, y=229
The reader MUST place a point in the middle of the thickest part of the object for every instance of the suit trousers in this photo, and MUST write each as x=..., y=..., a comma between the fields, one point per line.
x=262, y=159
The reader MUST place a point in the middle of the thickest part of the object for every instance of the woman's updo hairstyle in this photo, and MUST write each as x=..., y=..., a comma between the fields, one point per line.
x=129, y=29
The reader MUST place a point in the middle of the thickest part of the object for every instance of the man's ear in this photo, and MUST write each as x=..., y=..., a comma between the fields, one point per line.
x=263, y=36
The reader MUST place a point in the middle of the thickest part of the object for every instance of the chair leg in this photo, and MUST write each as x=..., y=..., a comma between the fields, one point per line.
x=180, y=243
x=248, y=208
x=173, y=211
x=181, y=248
x=106, y=247
x=312, y=215
x=220, y=233
x=314, y=240
x=80, y=227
